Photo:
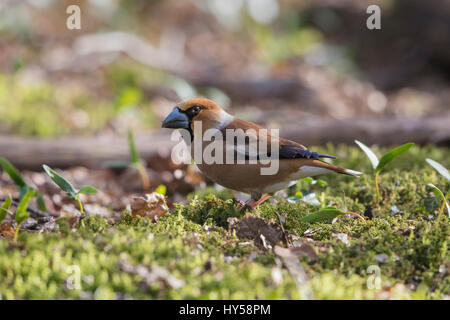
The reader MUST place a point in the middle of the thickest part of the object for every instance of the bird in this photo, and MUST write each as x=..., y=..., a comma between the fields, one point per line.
x=295, y=161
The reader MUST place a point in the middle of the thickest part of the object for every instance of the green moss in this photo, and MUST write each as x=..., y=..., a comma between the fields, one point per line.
x=210, y=209
x=407, y=245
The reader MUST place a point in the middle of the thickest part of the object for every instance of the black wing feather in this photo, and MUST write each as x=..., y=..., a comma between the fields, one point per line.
x=291, y=152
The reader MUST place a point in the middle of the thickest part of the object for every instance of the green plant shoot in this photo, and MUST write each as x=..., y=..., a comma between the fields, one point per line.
x=67, y=187
x=379, y=165
x=4, y=209
x=19, y=181
x=437, y=192
x=13, y=174
x=22, y=213
x=136, y=161
x=439, y=168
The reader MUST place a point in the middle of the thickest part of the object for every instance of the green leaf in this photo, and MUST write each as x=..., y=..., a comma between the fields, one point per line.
x=322, y=183
x=327, y=214
x=13, y=173
x=322, y=215
x=161, y=189
x=88, y=190
x=369, y=153
x=23, y=191
x=4, y=209
x=41, y=202
x=439, y=168
x=439, y=194
x=308, y=179
x=431, y=204
x=22, y=214
x=135, y=158
x=391, y=155
x=295, y=198
x=61, y=182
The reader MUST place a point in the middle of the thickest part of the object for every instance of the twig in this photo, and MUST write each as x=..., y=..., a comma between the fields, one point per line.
x=284, y=232
x=33, y=212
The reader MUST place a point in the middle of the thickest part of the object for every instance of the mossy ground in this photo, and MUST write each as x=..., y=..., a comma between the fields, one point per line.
x=193, y=244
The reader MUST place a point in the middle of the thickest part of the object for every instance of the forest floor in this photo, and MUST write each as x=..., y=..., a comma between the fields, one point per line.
x=204, y=248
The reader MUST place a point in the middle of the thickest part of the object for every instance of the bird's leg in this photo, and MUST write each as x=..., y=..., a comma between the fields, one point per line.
x=261, y=200
x=255, y=200
x=254, y=196
x=242, y=205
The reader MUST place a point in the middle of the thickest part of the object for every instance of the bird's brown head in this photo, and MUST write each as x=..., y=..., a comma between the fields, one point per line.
x=185, y=113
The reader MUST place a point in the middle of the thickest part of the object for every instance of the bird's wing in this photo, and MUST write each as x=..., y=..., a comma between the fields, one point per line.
x=293, y=150
x=287, y=149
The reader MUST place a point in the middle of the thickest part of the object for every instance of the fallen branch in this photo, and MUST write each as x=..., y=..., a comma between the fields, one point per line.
x=35, y=213
x=31, y=153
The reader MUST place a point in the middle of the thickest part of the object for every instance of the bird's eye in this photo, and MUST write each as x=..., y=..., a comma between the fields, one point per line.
x=195, y=110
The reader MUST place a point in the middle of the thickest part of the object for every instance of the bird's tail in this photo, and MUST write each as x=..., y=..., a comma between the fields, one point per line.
x=332, y=167
x=322, y=155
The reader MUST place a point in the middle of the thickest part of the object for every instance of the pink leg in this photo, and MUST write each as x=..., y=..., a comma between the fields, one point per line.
x=261, y=200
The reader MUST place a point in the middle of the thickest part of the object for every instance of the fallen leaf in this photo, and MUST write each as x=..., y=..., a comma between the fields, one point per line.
x=277, y=276
x=395, y=210
x=311, y=198
x=290, y=260
x=153, y=206
x=74, y=221
x=264, y=233
x=382, y=258
x=7, y=230
x=310, y=231
x=303, y=249
x=342, y=237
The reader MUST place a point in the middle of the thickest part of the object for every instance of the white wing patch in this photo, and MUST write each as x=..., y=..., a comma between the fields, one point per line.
x=309, y=171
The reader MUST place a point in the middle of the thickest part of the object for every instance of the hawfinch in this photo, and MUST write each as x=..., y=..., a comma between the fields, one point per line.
x=294, y=161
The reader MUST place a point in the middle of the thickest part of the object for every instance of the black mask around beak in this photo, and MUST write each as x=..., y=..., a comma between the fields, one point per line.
x=176, y=120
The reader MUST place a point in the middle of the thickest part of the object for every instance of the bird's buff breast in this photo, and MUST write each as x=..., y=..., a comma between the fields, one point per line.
x=246, y=177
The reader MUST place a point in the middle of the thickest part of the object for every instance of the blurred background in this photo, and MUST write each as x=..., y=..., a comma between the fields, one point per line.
x=311, y=68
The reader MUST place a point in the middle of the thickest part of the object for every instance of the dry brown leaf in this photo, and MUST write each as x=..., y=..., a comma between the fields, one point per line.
x=153, y=206
x=264, y=233
x=7, y=230
x=304, y=250
x=74, y=221
x=291, y=262
x=343, y=237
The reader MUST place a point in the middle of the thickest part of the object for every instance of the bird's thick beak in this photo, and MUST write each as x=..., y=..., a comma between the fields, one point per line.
x=176, y=120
